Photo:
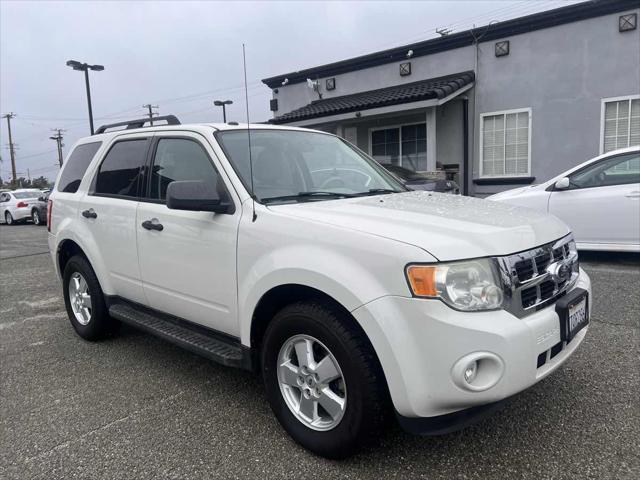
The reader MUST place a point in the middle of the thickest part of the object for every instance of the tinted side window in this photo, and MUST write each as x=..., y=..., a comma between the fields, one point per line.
x=179, y=159
x=618, y=170
x=120, y=171
x=76, y=166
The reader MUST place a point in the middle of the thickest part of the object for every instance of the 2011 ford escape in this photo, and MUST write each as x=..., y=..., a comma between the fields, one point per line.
x=292, y=253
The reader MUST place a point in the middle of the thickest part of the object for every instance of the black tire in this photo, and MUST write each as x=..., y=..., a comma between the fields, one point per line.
x=8, y=219
x=367, y=398
x=35, y=217
x=100, y=325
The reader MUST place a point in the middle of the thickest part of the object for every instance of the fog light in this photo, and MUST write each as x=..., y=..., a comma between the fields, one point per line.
x=477, y=371
x=470, y=372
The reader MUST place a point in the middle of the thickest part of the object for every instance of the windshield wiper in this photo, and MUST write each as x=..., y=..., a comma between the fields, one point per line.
x=375, y=191
x=306, y=195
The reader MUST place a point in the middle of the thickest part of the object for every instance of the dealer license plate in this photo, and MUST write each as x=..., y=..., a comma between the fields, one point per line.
x=577, y=318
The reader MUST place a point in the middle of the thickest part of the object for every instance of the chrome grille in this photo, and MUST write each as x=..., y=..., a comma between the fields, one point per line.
x=532, y=279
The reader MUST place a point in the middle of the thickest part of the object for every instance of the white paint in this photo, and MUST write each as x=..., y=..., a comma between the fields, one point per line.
x=601, y=218
x=214, y=270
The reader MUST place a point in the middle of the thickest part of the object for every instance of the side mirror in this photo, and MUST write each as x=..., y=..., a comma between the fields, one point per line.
x=562, y=184
x=41, y=199
x=195, y=195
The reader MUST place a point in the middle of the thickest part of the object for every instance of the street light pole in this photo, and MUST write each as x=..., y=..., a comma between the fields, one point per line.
x=85, y=67
x=223, y=104
x=86, y=81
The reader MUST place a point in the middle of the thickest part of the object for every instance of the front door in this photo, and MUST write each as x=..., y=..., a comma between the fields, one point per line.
x=189, y=267
x=602, y=204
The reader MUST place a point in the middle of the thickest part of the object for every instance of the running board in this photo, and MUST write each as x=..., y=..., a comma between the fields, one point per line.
x=215, y=346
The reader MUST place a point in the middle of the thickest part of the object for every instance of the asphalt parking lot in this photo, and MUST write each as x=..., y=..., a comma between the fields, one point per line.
x=136, y=407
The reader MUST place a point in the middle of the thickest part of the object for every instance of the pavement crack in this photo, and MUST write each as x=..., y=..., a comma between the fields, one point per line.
x=25, y=255
x=106, y=426
x=40, y=316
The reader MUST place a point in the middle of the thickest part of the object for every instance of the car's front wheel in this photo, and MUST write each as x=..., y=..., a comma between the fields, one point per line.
x=84, y=300
x=322, y=379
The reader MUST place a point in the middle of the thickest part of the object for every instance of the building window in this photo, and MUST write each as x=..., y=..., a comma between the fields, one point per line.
x=505, y=143
x=620, y=123
x=404, y=145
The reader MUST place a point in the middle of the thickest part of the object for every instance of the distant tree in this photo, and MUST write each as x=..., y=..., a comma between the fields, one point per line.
x=40, y=182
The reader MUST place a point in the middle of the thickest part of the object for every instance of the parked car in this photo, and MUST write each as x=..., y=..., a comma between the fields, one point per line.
x=39, y=211
x=351, y=296
x=418, y=181
x=16, y=205
x=599, y=199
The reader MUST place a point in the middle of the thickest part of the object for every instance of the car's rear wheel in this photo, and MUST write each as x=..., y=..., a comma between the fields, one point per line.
x=84, y=300
x=35, y=216
x=8, y=218
x=322, y=379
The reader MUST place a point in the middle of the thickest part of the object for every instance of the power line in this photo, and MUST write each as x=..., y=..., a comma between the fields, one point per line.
x=36, y=154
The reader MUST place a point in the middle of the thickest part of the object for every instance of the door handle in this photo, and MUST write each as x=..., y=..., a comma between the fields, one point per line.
x=152, y=224
x=91, y=213
x=635, y=194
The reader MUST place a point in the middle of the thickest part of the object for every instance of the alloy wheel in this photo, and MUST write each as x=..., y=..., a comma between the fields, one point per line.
x=80, y=298
x=311, y=382
x=36, y=217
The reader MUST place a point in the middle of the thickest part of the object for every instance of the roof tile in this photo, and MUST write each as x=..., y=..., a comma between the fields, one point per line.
x=434, y=88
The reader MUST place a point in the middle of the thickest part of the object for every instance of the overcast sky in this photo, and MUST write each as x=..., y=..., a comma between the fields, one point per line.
x=182, y=55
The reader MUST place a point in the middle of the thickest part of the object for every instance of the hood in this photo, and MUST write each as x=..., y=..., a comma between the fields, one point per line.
x=514, y=192
x=449, y=227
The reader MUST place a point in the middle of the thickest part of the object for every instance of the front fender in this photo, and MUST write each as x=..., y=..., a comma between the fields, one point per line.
x=320, y=272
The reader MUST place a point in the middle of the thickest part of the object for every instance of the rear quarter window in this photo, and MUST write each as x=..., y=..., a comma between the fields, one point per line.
x=76, y=166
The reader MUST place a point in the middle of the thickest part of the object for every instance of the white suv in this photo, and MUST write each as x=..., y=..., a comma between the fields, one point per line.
x=352, y=296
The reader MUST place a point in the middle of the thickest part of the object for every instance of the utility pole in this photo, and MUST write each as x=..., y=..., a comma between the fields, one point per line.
x=151, y=112
x=58, y=138
x=12, y=151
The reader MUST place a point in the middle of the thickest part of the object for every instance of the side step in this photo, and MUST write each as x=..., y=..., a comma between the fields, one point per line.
x=197, y=339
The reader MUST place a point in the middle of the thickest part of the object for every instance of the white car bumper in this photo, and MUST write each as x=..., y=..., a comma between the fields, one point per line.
x=420, y=344
x=21, y=213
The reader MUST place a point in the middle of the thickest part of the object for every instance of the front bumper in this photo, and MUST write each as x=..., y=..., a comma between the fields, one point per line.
x=420, y=342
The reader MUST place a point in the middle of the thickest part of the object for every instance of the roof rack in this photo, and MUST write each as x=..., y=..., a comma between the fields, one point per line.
x=129, y=124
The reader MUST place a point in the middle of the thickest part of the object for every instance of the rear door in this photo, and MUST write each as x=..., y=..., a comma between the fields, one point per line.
x=602, y=204
x=109, y=212
x=189, y=267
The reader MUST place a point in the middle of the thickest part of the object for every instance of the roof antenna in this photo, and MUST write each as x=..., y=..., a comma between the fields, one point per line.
x=246, y=98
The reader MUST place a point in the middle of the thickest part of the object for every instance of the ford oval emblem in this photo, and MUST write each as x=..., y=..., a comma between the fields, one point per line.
x=559, y=271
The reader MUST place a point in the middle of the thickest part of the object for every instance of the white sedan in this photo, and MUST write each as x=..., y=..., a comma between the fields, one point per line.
x=599, y=200
x=16, y=205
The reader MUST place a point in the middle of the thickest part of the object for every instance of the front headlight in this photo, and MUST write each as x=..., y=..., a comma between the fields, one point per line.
x=469, y=286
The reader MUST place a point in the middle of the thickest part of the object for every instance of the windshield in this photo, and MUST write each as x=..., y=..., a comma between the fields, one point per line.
x=290, y=165
x=405, y=173
x=29, y=194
